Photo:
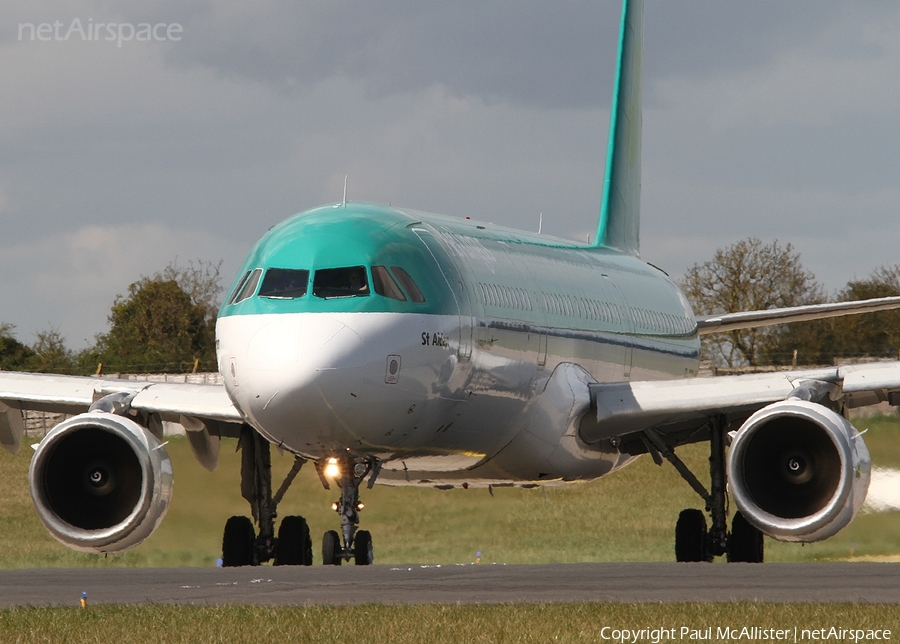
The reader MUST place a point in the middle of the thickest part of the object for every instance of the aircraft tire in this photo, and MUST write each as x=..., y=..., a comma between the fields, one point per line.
x=294, y=547
x=331, y=547
x=362, y=548
x=690, y=536
x=745, y=544
x=238, y=541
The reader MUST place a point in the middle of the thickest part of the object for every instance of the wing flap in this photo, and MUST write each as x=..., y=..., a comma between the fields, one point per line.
x=64, y=394
x=186, y=399
x=628, y=407
x=12, y=427
x=75, y=394
x=869, y=384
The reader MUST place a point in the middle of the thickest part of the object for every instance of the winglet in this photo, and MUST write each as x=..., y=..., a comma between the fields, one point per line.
x=619, y=225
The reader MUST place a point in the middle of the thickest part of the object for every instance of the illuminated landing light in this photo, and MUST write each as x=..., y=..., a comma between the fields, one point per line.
x=332, y=470
x=360, y=506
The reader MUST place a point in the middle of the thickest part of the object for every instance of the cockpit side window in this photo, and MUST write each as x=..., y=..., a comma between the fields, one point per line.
x=284, y=283
x=385, y=285
x=408, y=284
x=341, y=282
x=237, y=289
x=249, y=287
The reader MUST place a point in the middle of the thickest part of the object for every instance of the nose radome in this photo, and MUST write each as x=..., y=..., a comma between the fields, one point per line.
x=320, y=341
x=336, y=344
x=307, y=375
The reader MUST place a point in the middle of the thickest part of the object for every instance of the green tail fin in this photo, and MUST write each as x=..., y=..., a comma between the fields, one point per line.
x=620, y=207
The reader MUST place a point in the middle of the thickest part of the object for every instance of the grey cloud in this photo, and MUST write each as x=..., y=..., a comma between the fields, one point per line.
x=546, y=54
x=492, y=110
x=538, y=53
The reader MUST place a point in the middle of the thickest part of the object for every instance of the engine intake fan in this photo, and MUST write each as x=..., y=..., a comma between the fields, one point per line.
x=100, y=482
x=798, y=471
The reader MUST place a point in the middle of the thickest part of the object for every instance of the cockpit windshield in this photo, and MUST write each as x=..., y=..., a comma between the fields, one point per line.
x=385, y=284
x=341, y=282
x=388, y=283
x=407, y=281
x=284, y=283
x=247, y=286
x=327, y=283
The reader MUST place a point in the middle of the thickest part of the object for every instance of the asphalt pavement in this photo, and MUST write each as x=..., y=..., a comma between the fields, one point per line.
x=451, y=584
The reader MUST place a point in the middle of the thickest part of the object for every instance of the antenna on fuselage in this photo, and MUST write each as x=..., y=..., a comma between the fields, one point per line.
x=344, y=200
x=540, y=223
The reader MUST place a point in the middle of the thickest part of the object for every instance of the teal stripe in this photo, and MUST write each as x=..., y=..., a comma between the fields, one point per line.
x=619, y=223
x=603, y=225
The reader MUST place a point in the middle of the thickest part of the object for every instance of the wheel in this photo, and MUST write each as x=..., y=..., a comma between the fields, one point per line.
x=745, y=542
x=362, y=548
x=690, y=536
x=294, y=547
x=331, y=549
x=238, y=542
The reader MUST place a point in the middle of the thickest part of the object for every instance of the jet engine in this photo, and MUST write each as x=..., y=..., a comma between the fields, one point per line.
x=798, y=471
x=100, y=482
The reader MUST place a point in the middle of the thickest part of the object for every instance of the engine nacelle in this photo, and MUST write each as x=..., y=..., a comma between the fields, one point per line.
x=798, y=471
x=100, y=482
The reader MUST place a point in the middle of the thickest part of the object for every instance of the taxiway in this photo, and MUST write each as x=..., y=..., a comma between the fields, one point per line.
x=450, y=584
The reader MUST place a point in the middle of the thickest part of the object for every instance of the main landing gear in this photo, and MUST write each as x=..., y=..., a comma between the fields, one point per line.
x=243, y=546
x=348, y=474
x=693, y=541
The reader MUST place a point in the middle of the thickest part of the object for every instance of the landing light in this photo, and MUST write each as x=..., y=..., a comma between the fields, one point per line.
x=332, y=469
x=360, y=506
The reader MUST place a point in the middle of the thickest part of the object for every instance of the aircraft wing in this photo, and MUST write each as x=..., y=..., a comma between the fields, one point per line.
x=682, y=406
x=795, y=467
x=748, y=319
x=196, y=406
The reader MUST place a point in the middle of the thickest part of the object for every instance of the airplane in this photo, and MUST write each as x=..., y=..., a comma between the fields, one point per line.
x=382, y=344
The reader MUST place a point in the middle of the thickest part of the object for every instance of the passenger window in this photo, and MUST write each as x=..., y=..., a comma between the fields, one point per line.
x=284, y=283
x=341, y=282
x=237, y=289
x=408, y=284
x=249, y=287
x=385, y=285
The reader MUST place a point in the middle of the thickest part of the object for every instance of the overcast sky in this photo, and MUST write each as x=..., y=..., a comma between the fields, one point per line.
x=770, y=119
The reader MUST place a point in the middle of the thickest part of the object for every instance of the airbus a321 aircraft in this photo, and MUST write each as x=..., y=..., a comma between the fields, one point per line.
x=383, y=344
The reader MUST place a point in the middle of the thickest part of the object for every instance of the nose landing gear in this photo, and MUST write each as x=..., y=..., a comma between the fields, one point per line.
x=243, y=546
x=348, y=474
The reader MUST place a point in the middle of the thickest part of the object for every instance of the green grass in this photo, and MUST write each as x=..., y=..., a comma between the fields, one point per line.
x=430, y=623
x=628, y=516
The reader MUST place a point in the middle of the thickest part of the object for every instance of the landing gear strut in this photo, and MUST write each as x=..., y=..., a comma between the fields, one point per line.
x=348, y=474
x=241, y=545
x=693, y=541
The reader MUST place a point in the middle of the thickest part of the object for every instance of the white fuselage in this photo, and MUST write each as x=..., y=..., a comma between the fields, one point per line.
x=402, y=387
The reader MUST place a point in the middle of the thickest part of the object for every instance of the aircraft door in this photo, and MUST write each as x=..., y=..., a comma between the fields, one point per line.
x=457, y=285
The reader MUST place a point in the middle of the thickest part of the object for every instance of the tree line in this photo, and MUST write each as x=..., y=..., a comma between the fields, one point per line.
x=166, y=322
x=751, y=275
